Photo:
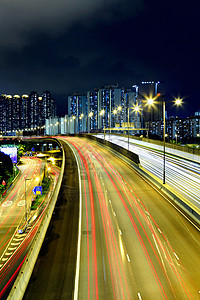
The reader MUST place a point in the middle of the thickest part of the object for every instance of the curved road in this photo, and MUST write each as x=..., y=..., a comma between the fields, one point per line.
x=133, y=243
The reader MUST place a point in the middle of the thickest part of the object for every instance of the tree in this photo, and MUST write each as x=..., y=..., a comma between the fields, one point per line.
x=6, y=167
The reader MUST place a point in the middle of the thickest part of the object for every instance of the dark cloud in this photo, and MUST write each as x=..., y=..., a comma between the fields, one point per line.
x=76, y=45
x=19, y=18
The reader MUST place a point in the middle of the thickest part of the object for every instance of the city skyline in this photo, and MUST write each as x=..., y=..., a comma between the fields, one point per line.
x=77, y=46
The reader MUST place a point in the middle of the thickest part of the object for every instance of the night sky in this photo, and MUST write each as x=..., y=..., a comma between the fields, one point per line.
x=68, y=46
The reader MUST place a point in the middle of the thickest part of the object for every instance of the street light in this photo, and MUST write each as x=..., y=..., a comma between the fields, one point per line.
x=114, y=113
x=26, y=214
x=102, y=112
x=119, y=119
x=128, y=127
x=89, y=116
x=25, y=199
x=177, y=102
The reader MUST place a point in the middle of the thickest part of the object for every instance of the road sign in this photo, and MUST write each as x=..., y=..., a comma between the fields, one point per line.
x=37, y=190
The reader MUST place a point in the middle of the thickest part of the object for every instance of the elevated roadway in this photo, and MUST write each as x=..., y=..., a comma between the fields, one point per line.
x=132, y=243
x=183, y=175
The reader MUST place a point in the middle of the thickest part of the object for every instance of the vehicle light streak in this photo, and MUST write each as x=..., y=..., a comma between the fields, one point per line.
x=139, y=238
x=144, y=216
x=107, y=225
x=12, y=258
x=159, y=242
x=108, y=193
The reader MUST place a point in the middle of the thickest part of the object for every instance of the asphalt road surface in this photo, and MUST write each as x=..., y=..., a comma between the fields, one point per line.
x=133, y=243
x=12, y=215
x=54, y=272
x=181, y=174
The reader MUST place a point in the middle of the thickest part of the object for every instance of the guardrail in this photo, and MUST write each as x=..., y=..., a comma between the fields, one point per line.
x=22, y=280
x=176, y=198
x=132, y=156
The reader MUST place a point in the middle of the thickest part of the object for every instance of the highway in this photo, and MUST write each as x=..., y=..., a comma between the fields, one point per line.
x=181, y=174
x=13, y=245
x=133, y=243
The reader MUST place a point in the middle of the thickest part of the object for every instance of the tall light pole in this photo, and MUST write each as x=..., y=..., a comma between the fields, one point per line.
x=89, y=116
x=164, y=131
x=114, y=113
x=81, y=117
x=102, y=112
x=26, y=214
x=119, y=110
x=177, y=102
x=128, y=128
x=26, y=200
x=74, y=118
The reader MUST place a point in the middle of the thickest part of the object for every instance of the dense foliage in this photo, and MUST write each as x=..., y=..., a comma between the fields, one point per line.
x=6, y=169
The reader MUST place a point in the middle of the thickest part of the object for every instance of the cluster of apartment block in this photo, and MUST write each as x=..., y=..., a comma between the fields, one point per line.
x=106, y=107
x=20, y=115
x=114, y=108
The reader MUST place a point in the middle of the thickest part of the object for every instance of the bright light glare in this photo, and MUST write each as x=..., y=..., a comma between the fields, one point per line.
x=150, y=101
x=137, y=108
x=114, y=111
x=102, y=112
x=91, y=114
x=178, y=101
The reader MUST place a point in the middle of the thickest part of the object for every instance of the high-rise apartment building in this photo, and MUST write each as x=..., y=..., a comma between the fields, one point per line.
x=103, y=108
x=47, y=106
x=34, y=110
x=16, y=119
x=25, y=113
x=78, y=112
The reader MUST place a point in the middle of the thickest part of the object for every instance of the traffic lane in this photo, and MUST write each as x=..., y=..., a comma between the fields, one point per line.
x=13, y=207
x=175, y=230
x=56, y=262
x=102, y=272
x=152, y=160
x=122, y=281
x=174, y=256
x=150, y=269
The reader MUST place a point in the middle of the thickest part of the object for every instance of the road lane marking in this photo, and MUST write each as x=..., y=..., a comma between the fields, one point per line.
x=7, y=203
x=4, y=259
x=157, y=248
x=159, y=230
x=176, y=256
x=21, y=203
x=79, y=232
x=128, y=257
x=139, y=296
x=10, y=249
x=8, y=253
x=114, y=214
x=120, y=232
